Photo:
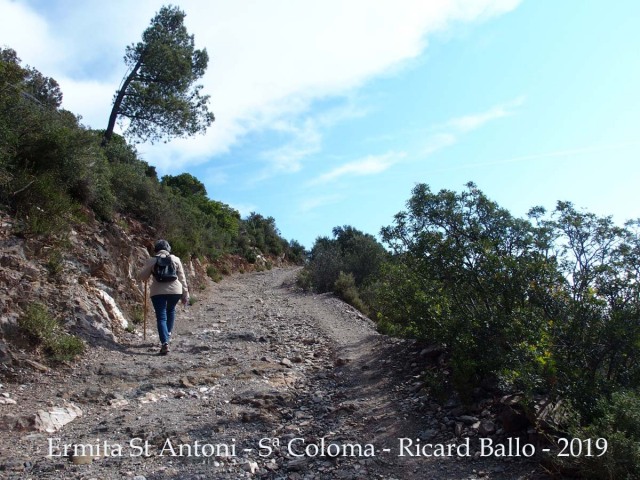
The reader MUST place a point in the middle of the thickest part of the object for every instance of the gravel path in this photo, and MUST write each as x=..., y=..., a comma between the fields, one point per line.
x=261, y=381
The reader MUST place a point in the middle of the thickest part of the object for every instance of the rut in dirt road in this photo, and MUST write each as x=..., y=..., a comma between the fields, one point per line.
x=262, y=381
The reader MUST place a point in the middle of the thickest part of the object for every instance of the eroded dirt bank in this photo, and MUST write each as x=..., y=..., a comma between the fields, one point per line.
x=261, y=381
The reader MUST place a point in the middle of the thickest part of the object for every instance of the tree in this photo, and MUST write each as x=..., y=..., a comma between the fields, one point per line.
x=471, y=277
x=159, y=96
x=186, y=184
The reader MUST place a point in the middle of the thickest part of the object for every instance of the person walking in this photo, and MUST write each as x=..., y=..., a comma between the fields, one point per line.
x=168, y=287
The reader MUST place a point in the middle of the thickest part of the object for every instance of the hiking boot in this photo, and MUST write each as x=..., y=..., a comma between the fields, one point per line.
x=164, y=349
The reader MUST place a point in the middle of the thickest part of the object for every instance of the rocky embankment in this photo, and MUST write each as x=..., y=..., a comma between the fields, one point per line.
x=262, y=381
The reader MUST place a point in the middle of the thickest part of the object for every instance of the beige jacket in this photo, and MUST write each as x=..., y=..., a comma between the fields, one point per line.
x=165, y=288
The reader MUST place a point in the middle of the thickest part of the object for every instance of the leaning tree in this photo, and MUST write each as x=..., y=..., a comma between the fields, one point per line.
x=159, y=98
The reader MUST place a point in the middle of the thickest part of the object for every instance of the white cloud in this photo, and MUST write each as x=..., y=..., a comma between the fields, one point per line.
x=268, y=60
x=370, y=165
x=438, y=142
x=28, y=34
x=452, y=130
x=474, y=121
x=317, y=202
x=305, y=139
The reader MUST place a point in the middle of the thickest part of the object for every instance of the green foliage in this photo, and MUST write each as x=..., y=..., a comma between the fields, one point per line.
x=325, y=264
x=475, y=278
x=137, y=315
x=547, y=305
x=43, y=208
x=617, y=420
x=44, y=330
x=54, y=263
x=350, y=251
x=596, y=312
x=65, y=347
x=185, y=184
x=345, y=288
x=37, y=323
x=296, y=252
x=259, y=232
x=213, y=273
x=303, y=280
x=159, y=96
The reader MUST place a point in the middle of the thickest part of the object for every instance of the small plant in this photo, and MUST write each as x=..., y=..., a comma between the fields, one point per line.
x=37, y=323
x=616, y=419
x=137, y=315
x=303, y=280
x=213, y=274
x=345, y=288
x=54, y=264
x=44, y=330
x=251, y=256
x=65, y=347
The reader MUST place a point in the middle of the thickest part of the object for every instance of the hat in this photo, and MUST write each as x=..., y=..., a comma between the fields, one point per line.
x=162, y=245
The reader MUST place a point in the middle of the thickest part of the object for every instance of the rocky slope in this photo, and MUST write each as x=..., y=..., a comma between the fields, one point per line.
x=262, y=381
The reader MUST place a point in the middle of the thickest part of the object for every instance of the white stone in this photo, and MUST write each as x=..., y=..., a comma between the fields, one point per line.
x=112, y=308
x=53, y=420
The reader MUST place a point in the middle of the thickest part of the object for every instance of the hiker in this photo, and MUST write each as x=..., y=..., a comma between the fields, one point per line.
x=168, y=287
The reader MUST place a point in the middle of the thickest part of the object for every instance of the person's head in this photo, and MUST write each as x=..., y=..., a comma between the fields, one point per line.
x=162, y=245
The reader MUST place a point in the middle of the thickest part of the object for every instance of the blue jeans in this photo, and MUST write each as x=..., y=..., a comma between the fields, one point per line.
x=165, y=307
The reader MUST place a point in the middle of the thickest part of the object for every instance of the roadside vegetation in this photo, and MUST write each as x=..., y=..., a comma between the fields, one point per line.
x=547, y=305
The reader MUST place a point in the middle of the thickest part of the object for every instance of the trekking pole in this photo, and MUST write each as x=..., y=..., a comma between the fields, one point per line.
x=144, y=334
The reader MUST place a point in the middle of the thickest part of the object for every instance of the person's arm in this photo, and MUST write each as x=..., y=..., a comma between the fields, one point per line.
x=146, y=270
x=182, y=278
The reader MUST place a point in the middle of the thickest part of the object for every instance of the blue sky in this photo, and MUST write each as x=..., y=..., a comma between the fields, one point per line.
x=328, y=113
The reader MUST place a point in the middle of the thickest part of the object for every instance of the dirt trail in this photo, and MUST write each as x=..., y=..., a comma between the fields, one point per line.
x=261, y=381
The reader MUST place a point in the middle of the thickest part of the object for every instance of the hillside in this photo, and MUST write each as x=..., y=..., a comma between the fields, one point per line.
x=257, y=373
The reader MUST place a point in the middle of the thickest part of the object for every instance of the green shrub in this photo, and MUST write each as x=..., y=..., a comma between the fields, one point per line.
x=250, y=256
x=54, y=264
x=64, y=347
x=44, y=208
x=303, y=280
x=345, y=288
x=213, y=274
x=618, y=421
x=137, y=315
x=38, y=324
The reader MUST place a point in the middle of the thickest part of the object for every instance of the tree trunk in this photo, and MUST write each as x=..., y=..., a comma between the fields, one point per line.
x=115, y=111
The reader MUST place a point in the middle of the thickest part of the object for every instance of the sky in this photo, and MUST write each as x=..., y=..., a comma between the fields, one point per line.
x=329, y=113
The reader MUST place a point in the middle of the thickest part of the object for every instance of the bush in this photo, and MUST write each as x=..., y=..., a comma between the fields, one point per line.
x=44, y=330
x=54, y=264
x=213, y=274
x=37, y=323
x=618, y=421
x=303, y=280
x=64, y=347
x=137, y=315
x=43, y=207
x=345, y=288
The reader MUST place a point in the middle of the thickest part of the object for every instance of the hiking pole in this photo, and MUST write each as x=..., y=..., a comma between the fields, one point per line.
x=144, y=334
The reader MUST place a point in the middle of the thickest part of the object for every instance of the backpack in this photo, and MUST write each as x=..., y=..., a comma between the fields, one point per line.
x=164, y=270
